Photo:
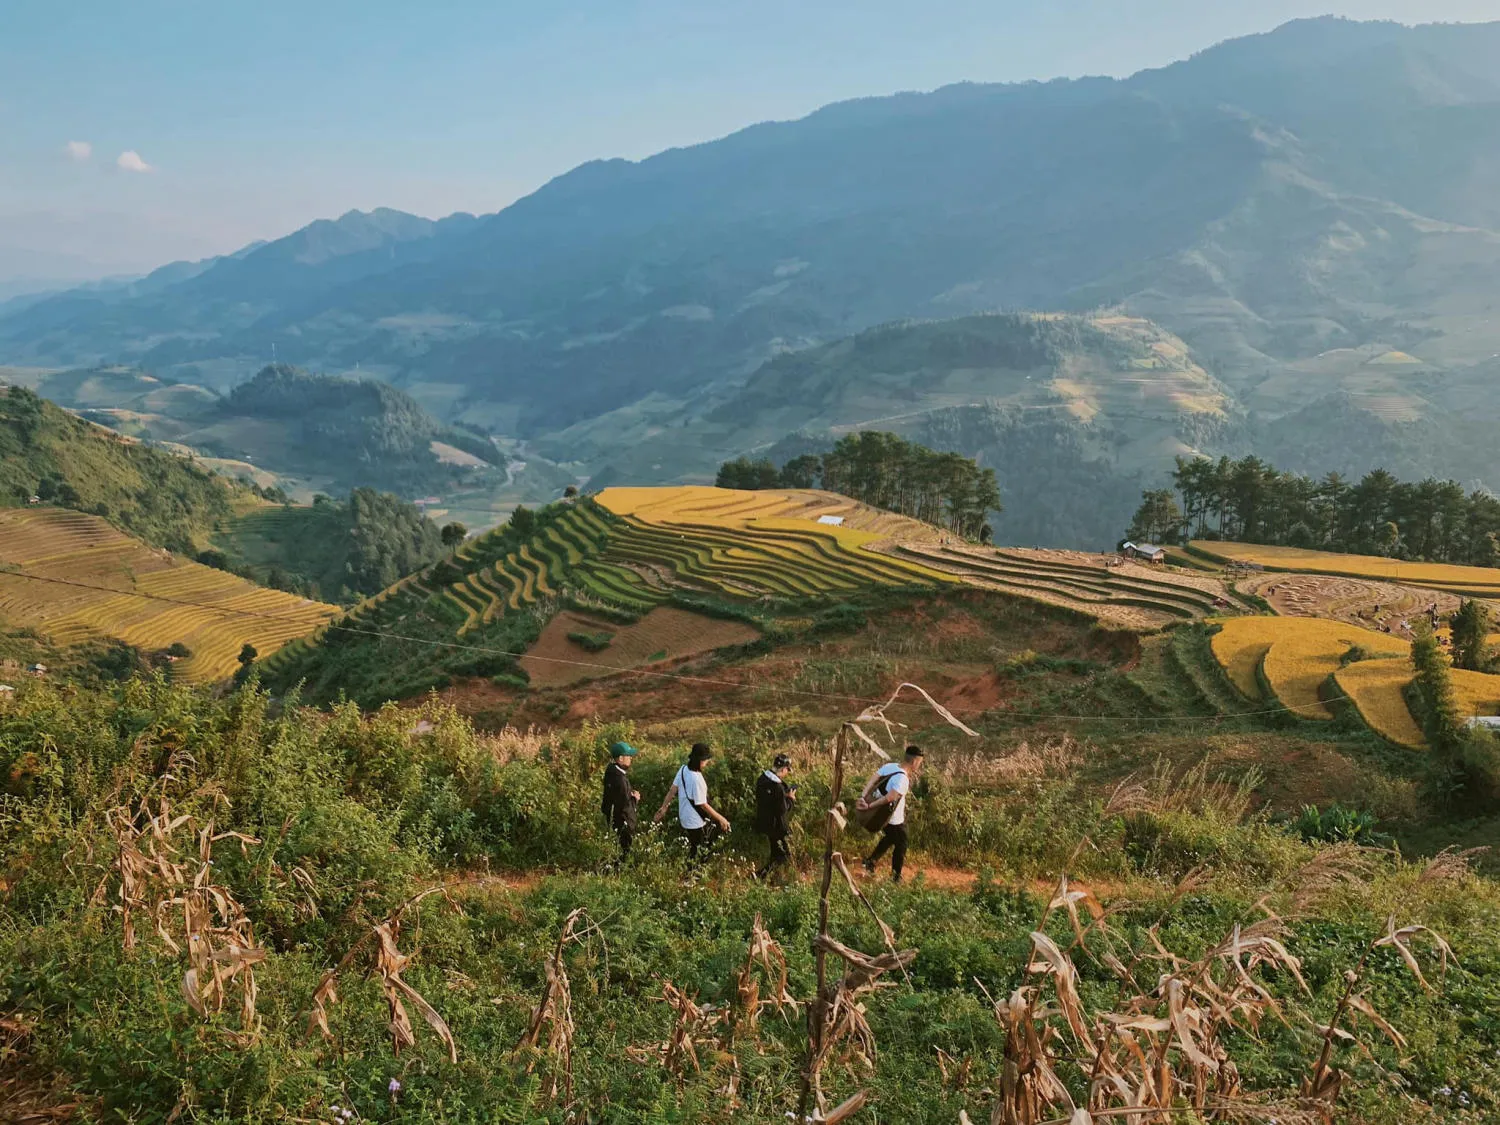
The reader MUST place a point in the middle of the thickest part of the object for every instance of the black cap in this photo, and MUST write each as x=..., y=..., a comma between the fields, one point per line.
x=915, y=752
x=782, y=762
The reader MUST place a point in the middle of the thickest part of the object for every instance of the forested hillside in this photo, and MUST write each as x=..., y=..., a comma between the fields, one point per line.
x=358, y=432
x=886, y=471
x=162, y=498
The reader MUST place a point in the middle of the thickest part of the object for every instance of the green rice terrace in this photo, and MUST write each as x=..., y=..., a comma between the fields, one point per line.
x=779, y=561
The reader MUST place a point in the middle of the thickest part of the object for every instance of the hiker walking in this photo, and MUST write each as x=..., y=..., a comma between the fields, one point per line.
x=694, y=812
x=620, y=800
x=773, y=800
x=887, y=790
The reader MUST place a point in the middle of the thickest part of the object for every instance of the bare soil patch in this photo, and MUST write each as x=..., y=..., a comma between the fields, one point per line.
x=666, y=633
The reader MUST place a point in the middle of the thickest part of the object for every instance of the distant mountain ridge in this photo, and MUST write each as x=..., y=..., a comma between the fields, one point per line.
x=1326, y=189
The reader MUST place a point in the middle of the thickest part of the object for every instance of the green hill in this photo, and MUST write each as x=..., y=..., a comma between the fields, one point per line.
x=303, y=432
x=159, y=497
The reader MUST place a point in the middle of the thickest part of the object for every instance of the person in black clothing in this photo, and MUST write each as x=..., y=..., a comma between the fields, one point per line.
x=773, y=800
x=620, y=800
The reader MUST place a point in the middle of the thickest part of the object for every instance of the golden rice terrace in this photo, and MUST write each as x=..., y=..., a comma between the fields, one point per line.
x=72, y=577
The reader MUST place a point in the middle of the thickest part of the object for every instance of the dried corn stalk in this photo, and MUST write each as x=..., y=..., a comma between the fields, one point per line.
x=1323, y=1083
x=835, y=1018
x=554, y=1012
x=1164, y=1050
x=764, y=953
x=690, y=1023
x=157, y=881
x=389, y=964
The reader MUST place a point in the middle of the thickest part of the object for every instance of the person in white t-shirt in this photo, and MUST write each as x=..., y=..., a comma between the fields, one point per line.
x=694, y=812
x=888, y=787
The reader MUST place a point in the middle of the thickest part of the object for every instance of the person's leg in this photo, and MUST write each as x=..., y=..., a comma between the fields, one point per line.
x=880, y=849
x=625, y=835
x=695, y=842
x=778, y=856
x=898, y=851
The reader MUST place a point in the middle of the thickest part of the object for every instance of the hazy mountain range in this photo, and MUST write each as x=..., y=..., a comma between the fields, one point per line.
x=1313, y=212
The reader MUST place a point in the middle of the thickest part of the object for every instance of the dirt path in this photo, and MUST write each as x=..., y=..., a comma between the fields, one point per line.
x=918, y=873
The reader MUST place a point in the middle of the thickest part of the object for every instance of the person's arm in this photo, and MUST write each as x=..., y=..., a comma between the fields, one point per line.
x=892, y=793
x=666, y=803
x=708, y=811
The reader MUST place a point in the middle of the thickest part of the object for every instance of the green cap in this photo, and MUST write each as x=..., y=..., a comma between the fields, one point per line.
x=622, y=750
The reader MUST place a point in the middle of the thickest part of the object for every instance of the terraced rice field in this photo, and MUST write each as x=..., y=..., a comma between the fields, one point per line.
x=1476, y=693
x=1294, y=655
x=138, y=594
x=1469, y=581
x=699, y=504
x=758, y=544
x=1129, y=596
x=1375, y=688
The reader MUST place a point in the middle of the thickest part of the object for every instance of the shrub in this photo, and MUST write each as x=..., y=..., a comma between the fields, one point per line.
x=1339, y=824
x=592, y=642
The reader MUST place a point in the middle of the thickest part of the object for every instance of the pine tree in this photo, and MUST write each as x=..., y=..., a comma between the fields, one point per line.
x=1471, y=630
x=1441, y=721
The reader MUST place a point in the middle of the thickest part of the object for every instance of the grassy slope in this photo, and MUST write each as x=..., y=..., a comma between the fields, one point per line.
x=369, y=812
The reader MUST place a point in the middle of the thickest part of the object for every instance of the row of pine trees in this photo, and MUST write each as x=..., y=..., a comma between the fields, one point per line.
x=1253, y=502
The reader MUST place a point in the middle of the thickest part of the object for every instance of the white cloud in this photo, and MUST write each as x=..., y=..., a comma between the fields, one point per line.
x=130, y=161
x=79, y=150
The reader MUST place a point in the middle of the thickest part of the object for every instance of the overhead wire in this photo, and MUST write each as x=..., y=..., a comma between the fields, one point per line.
x=230, y=611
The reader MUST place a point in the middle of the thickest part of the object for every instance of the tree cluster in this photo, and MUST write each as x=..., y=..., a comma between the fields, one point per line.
x=887, y=471
x=1250, y=501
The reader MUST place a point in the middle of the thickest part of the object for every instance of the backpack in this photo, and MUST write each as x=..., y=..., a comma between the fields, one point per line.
x=874, y=820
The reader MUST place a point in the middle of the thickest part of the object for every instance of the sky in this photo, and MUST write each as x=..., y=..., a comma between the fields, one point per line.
x=135, y=134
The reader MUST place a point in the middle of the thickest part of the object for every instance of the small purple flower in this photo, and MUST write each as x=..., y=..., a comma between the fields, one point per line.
x=395, y=1086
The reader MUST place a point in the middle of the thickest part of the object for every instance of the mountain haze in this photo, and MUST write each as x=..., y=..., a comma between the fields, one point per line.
x=1318, y=197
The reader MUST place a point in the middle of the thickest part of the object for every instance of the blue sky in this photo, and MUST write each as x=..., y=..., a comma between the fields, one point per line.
x=246, y=120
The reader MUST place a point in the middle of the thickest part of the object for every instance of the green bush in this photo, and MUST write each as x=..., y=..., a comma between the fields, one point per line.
x=592, y=642
x=1338, y=824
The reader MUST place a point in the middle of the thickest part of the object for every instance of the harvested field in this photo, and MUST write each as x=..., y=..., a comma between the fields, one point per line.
x=1475, y=581
x=666, y=633
x=1130, y=597
x=1382, y=606
x=210, y=611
